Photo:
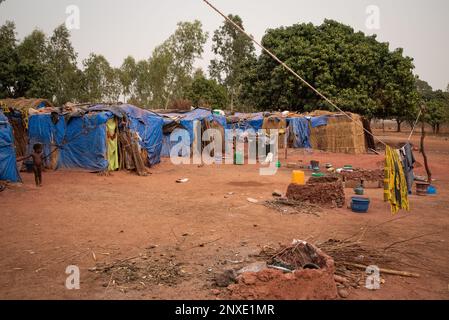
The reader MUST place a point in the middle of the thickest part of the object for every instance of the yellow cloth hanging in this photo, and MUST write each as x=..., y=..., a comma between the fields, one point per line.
x=395, y=185
x=111, y=127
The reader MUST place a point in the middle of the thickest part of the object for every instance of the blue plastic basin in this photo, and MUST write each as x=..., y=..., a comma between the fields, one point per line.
x=359, y=204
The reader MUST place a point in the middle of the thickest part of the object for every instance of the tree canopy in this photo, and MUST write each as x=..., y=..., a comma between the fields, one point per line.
x=356, y=71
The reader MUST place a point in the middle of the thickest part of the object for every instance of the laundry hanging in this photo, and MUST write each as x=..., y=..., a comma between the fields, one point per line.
x=395, y=184
x=408, y=160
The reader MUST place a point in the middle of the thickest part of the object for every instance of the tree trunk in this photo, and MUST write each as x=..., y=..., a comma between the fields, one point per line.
x=369, y=139
x=399, y=125
x=426, y=165
x=438, y=128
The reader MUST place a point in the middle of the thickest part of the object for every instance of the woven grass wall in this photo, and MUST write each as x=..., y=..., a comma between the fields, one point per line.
x=341, y=135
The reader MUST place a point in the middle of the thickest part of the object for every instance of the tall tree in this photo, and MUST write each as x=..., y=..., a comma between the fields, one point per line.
x=8, y=60
x=356, y=71
x=233, y=52
x=34, y=75
x=207, y=93
x=128, y=77
x=62, y=64
x=102, y=83
x=184, y=47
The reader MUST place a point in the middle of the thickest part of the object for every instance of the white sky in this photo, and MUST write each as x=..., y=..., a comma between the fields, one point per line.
x=118, y=28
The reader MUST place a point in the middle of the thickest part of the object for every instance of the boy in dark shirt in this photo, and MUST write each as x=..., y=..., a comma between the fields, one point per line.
x=38, y=164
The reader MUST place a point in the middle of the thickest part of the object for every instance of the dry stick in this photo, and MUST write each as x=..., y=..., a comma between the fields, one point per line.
x=386, y=271
x=291, y=70
x=410, y=239
x=204, y=243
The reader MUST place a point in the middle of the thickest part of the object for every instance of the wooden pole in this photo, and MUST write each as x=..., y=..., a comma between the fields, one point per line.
x=423, y=151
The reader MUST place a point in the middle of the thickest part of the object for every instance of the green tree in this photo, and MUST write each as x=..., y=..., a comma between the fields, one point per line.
x=234, y=51
x=181, y=49
x=62, y=65
x=34, y=75
x=356, y=71
x=436, y=105
x=102, y=82
x=128, y=76
x=206, y=92
x=8, y=60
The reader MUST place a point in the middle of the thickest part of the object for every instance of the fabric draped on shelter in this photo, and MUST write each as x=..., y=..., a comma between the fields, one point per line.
x=318, y=121
x=395, y=185
x=299, y=127
x=111, y=130
x=8, y=166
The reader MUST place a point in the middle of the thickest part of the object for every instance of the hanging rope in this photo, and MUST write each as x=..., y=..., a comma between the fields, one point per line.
x=291, y=70
x=414, y=125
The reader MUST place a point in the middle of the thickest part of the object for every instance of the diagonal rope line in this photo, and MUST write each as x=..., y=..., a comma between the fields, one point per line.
x=414, y=125
x=291, y=70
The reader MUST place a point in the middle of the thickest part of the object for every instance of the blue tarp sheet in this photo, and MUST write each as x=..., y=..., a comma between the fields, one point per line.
x=252, y=121
x=318, y=121
x=8, y=165
x=146, y=123
x=301, y=130
x=81, y=141
x=186, y=121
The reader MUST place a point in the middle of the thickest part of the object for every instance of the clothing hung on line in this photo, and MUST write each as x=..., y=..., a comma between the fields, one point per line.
x=395, y=184
x=408, y=161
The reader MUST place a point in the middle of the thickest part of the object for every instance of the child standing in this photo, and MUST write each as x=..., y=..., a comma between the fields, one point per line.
x=38, y=163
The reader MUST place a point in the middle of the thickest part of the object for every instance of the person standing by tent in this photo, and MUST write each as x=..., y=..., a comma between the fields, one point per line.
x=38, y=163
x=111, y=130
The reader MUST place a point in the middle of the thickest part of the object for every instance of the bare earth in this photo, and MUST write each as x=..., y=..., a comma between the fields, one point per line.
x=81, y=218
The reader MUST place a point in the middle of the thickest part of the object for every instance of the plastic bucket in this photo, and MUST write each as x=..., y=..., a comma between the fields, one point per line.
x=360, y=204
x=431, y=190
x=298, y=177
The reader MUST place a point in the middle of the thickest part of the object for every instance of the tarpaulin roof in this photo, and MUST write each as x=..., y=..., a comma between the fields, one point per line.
x=146, y=123
x=81, y=141
x=8, y=165
x=23, y=103
x=186, y=119
x=246, y=121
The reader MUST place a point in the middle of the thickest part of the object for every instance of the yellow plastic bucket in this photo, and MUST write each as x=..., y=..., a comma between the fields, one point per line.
x=298, y=177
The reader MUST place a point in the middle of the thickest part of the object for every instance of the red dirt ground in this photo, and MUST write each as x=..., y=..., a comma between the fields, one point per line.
x=77, y=216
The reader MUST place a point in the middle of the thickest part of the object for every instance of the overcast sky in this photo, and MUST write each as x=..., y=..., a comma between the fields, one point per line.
x=118, y=28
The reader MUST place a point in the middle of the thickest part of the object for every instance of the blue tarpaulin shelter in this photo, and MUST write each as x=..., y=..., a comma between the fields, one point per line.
x=8, y=166
x=186, y=120
x=301, y=131
x=146, y=123
x=79, y=141
x=247, y=121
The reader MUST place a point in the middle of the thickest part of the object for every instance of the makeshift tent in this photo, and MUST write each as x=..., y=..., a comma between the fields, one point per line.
x=17, y=111
x=78, y=143
x=276, y=122
x=185, y=120
x=245, y=121
x=146, y=124
x=335, y=132
x=8, y=166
